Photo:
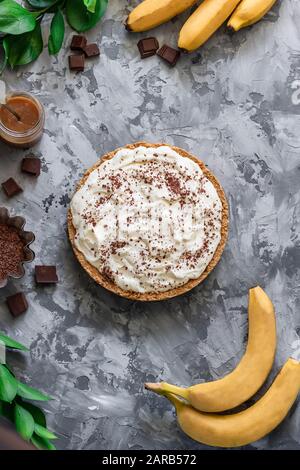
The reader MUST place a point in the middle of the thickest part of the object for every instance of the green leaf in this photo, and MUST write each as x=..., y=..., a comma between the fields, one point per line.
x=37, y=413
x=44, y=432
x=10, y=343
x=23, y=49
x=41, y=3
x=3, y=62
x=24, y=422
x=80, y=18
x=14, y=19
x=42, y=443
x=45, y=6
x=30, y=393
x=57, y=33
x=8, y=385
x=90, y=5
x=9, y=369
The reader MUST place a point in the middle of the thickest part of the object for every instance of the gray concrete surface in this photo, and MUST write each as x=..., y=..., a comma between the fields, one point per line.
x=236, y=104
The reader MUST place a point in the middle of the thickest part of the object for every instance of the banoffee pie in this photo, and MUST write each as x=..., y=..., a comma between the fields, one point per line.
x=148, y=221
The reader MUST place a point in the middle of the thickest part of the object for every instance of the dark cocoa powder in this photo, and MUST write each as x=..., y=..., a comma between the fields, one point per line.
x=11, y=250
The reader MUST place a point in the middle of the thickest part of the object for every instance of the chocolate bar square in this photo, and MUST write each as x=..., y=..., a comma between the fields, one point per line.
x=78, y=42
x=169, y=54
x=148, y=47
x=46, y=275
x=11, y=187
x=17, y=304
x=91, y=50
x=31, y=165
x=76, y=63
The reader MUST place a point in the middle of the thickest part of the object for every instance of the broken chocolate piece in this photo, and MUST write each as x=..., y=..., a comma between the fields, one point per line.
x=169, y=54
x=148, y=47
x=17, y=304
x=46, y=275
x=11, y=187
x=91, y=50
x=76, y=62
x=31, y=165
x=78, y=43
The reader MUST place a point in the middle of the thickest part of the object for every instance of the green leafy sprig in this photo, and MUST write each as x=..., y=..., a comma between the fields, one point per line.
x=29, y=419
x=20, y=27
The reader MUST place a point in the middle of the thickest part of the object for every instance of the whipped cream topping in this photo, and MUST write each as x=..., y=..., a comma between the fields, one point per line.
x=148, y=219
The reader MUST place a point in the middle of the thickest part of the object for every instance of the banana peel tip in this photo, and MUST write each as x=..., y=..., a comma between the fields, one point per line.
x=127, y=27
x=153, y=387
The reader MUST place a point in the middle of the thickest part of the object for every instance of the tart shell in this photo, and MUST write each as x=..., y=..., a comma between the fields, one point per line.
x=153, y=296
x=18, y=222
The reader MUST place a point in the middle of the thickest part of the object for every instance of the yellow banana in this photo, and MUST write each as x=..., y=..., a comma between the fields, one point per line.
x=152, y=13
x=249, y=425
x=204, y=22
x=249, y=12
x=250, y=374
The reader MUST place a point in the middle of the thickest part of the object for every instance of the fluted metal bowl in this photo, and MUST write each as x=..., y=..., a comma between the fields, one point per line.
x=28, y=237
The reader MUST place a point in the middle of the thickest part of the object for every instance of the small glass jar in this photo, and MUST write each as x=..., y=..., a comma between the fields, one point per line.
x=27, y=138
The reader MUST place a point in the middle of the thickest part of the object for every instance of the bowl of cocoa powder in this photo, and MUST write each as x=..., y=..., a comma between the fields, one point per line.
x=14, y=246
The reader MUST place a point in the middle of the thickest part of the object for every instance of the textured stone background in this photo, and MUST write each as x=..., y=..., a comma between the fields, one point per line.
x=235, y=104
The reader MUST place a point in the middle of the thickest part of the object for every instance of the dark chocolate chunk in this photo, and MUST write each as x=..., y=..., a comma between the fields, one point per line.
x=169, y=54
x=11, y=187
x=91, y=50
x=31, y=165
x=17, y=304
x=78, y=43
x=148, y=47
x=76, y=62
x=46, y=275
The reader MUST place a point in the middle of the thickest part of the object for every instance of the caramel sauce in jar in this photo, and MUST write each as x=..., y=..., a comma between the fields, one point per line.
x=26, y=131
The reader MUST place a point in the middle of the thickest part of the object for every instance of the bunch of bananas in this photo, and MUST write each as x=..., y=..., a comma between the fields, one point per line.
x=205, y=20
x=198, y=406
